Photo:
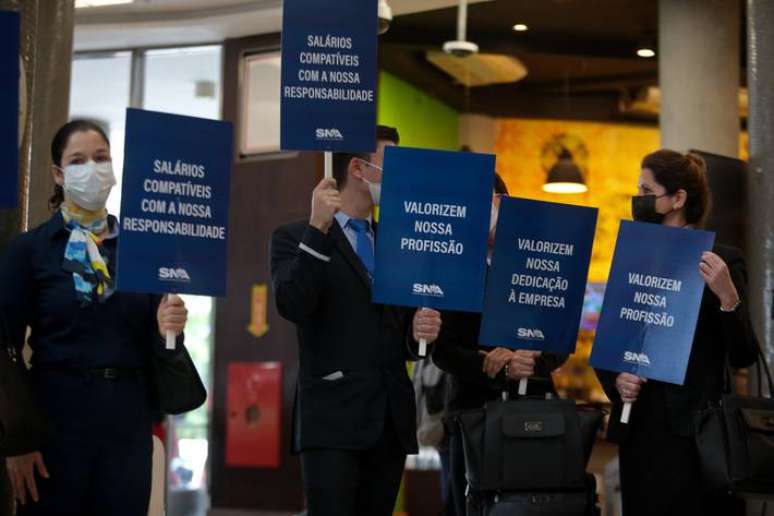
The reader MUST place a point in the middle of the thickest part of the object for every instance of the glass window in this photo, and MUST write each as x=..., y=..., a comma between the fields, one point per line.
x=260, y=123
x=100, y=92
x=185, y=81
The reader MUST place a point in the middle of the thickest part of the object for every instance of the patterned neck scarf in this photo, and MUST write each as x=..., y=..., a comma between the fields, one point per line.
x=84, y=255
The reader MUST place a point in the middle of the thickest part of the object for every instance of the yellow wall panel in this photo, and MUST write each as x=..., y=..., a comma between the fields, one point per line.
x=611, y=170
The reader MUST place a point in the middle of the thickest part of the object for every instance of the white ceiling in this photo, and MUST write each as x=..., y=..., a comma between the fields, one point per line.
x=149, y=23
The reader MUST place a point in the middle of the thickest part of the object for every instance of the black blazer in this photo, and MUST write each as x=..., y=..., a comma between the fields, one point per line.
x=718, y=334
x=321, y=285
x=456, y=352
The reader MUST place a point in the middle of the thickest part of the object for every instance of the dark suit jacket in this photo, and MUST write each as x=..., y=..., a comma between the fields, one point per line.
x=321, y=285
x=718, y=335
x=456, y=352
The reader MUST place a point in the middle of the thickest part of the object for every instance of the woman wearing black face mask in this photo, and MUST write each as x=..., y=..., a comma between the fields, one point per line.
x=659, y=464
x=91, y=345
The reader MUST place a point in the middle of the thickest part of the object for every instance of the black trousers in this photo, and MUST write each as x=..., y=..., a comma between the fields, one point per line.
x=100, y=461
x=354, y=482
x=6, y=496
x=661, y=476
x=457, y=481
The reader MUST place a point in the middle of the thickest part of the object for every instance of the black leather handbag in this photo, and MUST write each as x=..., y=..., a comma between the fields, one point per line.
x=528, y=444
x=735, y=440
x=178, y=386
x=24, y=426
x=528, y=457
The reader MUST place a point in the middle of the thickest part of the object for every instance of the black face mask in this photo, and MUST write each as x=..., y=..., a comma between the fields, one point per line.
x=644, y=209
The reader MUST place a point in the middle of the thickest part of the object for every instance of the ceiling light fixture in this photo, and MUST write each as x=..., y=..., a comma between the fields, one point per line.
x=520, y=27
x=565, y=176
x=80, y=4
x=461, y=47
x=646, y=46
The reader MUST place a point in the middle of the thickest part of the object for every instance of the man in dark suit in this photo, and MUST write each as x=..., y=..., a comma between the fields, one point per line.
x=354, y=416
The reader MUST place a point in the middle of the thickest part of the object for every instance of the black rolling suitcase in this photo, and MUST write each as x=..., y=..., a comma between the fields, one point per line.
x=538, y=503
x=528, y=457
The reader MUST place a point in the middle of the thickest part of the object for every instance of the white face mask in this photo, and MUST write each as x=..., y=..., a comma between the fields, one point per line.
x=493, y=216
x=375, y=189
x=88, y=185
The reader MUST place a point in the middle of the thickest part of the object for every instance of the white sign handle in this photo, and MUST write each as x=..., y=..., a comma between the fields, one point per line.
x=171, y=337
x=626, y=412
x=171, y=340
x=422, y=345
x=422, y=348
x=523, y=386
x=328, y=165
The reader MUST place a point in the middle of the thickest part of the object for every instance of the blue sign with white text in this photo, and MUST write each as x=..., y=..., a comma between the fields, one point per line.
x=537, y=280
x=174, y=204
x=651, y=302
x=329, y=75
x=433, y=227
x=9, y=108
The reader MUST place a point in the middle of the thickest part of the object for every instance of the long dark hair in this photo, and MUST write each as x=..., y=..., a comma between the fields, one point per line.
x=675, y=171
x=58, y=144
x=499, y=185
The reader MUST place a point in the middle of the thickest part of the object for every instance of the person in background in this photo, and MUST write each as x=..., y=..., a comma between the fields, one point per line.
x=430, y=392
x=659, y=464
x=91, y=345
x=354, y=416
x=481, y=374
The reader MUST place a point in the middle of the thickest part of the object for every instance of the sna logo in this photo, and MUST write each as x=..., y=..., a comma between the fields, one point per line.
x=530, y=334
x=421, y=289
x=533, y=426
x=329, y=134
x=636, y=358
x=170, y=274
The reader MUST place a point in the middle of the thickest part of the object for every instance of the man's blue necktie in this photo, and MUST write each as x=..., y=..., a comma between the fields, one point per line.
x=364, y=248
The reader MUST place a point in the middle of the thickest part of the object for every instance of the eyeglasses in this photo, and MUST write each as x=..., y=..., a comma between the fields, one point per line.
x=377, y=167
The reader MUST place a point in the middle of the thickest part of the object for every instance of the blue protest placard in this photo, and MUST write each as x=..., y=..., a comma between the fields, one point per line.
x=9, y=108
x=651, y=302
x=174, y=204
x=433, y=227
x=329, y=75
x=537, y=280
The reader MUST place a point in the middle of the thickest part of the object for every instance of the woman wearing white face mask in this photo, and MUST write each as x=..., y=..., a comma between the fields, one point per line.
x=91, y=345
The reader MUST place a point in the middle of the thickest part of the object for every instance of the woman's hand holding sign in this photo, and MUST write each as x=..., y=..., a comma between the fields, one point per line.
x=715, y=272
x=495, y=360
x=628, y=386
x=522, y=364
x=326, y=201
x=426, y=326
x=519, y=364
x=172, y=315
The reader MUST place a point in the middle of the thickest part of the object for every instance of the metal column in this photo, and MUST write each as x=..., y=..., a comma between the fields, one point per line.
x=760, y=182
